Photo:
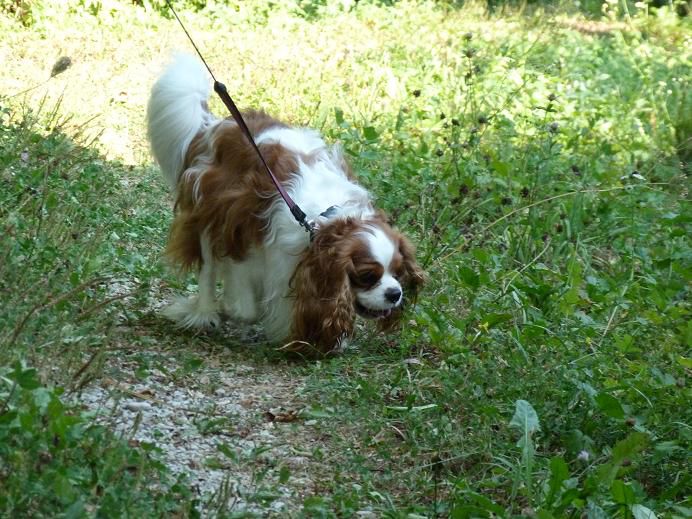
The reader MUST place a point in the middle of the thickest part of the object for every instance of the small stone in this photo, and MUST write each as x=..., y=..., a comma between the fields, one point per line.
x=137, y=406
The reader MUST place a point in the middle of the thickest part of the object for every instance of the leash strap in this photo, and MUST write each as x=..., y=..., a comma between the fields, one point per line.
x=222, y=92
x=296, y=211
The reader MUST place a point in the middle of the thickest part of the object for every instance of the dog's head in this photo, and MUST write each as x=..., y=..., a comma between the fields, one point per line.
x=353, y=267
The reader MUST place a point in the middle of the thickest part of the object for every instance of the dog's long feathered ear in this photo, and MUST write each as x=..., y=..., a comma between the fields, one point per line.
x=411, y=278
x=324, y=314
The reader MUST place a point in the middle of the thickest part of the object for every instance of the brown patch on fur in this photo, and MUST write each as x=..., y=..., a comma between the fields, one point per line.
x=234, y=192
x=324, y=312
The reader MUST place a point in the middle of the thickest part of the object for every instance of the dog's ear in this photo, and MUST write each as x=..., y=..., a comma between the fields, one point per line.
x=323, y=312
x=411, y=277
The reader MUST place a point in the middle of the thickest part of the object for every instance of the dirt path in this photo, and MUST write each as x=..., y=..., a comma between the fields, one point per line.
x=237, y=427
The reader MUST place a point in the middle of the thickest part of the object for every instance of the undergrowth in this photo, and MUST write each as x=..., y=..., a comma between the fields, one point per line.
x=54, y=459
x=541, y=165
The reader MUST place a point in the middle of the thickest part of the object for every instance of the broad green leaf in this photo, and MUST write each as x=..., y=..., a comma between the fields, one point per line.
x=25, y=378
x=502, y=168
x=630, y=446
x=622, y=492
x=477, y=505
x=525, y=417
x=667, y=447
x=51, y=200
x=468, y=512
x=42, y=397
x=642, y=512
x=559, y=472
x=469, y=277
x=593, y=511
x=63, y=489
x=568, y=497
x=493, y=319
x=7, y=417
x=623, y=450
x=685, y=362
x=610, y=406
x=370, y=133
x=315, y=504
x=75, y=510
x=193, y=364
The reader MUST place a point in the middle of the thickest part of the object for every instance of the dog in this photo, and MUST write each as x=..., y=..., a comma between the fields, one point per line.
x=231, y=224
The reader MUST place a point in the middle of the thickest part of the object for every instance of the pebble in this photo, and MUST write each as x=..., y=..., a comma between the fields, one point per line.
x=137, y=406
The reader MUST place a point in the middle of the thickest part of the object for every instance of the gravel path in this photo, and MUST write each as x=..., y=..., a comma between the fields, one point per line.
x=237, y=430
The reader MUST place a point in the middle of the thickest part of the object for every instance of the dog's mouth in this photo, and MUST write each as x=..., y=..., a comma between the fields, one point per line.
x=370, y=313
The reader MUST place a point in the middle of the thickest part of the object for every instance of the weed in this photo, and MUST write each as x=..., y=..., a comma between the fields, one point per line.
x=54, y=458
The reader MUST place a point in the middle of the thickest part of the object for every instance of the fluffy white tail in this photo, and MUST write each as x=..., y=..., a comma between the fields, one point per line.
x=177, y=111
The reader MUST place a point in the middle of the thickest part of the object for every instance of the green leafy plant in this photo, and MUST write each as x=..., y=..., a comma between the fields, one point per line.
x=55, y=460
x=526, y=420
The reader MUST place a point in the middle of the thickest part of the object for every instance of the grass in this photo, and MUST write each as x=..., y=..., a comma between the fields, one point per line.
x=541, y=166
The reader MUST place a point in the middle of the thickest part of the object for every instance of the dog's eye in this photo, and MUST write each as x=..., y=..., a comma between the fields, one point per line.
x=366, y=278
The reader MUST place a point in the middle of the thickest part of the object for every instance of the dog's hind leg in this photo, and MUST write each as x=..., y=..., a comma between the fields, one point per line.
x=199, y=311
x=239, y=292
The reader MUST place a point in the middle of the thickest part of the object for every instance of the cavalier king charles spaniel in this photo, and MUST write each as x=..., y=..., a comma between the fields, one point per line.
x=230, y=223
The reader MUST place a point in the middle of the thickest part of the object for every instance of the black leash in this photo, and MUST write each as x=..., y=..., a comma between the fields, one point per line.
x=222, y=92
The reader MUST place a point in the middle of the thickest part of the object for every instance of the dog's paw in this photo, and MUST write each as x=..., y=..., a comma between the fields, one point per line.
x=241, y=312
x=189, y=313
x=342, y=345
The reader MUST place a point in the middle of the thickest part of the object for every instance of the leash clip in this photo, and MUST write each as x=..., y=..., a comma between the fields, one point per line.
x=311, y=226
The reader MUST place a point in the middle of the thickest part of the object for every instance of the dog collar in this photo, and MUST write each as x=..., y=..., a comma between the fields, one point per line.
x=313, y=226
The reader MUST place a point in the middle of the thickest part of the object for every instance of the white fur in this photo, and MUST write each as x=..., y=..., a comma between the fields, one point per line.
x=382, y=249
x=199, y=311
x=301, y=140
x=256, y=289
x=176, y=113
x=242, y=282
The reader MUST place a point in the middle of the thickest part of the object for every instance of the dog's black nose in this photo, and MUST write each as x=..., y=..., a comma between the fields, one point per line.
x=392, y=295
